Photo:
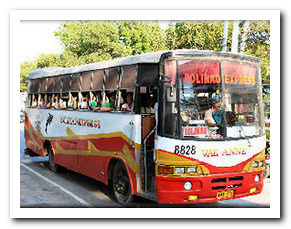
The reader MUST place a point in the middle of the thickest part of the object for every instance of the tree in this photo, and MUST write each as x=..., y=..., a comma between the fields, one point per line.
x=48, y=60
x=90, y=41
x=141, y=37
x=202, y=35
x=25, y=69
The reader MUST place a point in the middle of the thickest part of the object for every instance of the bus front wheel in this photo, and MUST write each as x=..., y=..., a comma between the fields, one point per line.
x=121, y=185
x=52, y=165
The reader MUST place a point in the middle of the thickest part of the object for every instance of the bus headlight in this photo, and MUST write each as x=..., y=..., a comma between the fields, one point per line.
x=188, y=185
x=192, y=169
x=261, y=163
x=257, y=178
x=255, y=164
x=179, y=170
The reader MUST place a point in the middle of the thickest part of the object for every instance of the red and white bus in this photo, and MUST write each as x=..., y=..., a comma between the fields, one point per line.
x=195, y=131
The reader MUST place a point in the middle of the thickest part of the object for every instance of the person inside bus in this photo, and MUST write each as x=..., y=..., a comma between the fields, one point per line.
x=96, y=103
x=34, y=104
x=213, y=115
x=84, y=103
x=49, y=102
x=109, y=106
x=41, y=102
x=63, y=104
x=148, y=109
x=56, y=104
x=128, y=105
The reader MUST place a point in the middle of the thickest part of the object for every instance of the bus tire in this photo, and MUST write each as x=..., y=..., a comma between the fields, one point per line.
x=121, y=185
x=52, y=165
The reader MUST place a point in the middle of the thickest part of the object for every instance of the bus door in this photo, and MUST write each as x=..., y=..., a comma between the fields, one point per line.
x=147, y=154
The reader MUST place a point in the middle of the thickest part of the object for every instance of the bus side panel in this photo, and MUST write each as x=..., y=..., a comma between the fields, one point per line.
x=33, y=141
x=86, y=141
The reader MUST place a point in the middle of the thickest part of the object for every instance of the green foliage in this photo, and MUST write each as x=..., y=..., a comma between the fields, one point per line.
x=141, y=37
x=202, y=35
x=92, y=41
x=25, y=69
x=89, y=41
x=49, y=60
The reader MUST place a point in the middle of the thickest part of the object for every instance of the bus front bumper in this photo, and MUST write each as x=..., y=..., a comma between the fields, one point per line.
x=210, y=188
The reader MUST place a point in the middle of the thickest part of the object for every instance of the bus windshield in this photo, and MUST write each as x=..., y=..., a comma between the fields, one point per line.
x=215, y=105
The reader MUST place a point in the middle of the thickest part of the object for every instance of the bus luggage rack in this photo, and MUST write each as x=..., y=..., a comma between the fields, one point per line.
x=226, y=182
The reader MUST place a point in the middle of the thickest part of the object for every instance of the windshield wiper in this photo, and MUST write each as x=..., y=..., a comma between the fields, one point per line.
x=240, y=127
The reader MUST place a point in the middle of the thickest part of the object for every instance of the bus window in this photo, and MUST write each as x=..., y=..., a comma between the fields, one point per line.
x=64, y=100
x=84, y=101
x=29, y=100
x=96, y=101
x=56, y=101
x=35, y=100
x=48, y=101
x=41, y=102
x=127, y=103
x=73, y=100
x=147, y=100
x=110, y=102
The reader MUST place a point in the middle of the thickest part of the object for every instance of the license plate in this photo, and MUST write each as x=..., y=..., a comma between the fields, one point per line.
x=225, y=194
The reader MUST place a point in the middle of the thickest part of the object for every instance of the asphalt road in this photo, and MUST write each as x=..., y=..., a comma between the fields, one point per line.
x=42, y=188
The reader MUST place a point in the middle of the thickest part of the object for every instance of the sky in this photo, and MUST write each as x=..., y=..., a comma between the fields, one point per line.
x=40, y=39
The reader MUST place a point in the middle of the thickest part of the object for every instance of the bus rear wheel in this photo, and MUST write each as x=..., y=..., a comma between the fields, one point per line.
x=52, y=165
x=121, y=185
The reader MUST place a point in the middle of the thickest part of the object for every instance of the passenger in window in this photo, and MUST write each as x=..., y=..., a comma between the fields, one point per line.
x=128, y=105
x=109, y=106
x=148, y=108
x=41, y=102
x=56, y=104
x=63, y=104
x=84, y=103
x=34, y=104
x=49, y=102
x=75, y=102
x=96, y=103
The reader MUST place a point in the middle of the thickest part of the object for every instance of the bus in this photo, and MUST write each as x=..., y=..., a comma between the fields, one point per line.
x=194, y=132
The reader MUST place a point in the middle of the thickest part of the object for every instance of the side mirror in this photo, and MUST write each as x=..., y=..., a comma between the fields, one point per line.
x=167, y=80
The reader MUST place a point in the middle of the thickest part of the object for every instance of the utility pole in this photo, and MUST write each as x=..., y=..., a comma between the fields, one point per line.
x=235, y=31
x=246, y=25
x=224, y=38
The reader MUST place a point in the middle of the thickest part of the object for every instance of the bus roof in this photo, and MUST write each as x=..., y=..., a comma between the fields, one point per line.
x=145, y=58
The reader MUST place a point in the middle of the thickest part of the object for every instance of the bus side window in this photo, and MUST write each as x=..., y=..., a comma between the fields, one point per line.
x=29, y=100
x=41, y=102
x=73, y=100
x=126, y=100
x=84, y=101
x=48, y=102
x=110, y=102
x=35, y=100
x=96, y=101
x=64, y=101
